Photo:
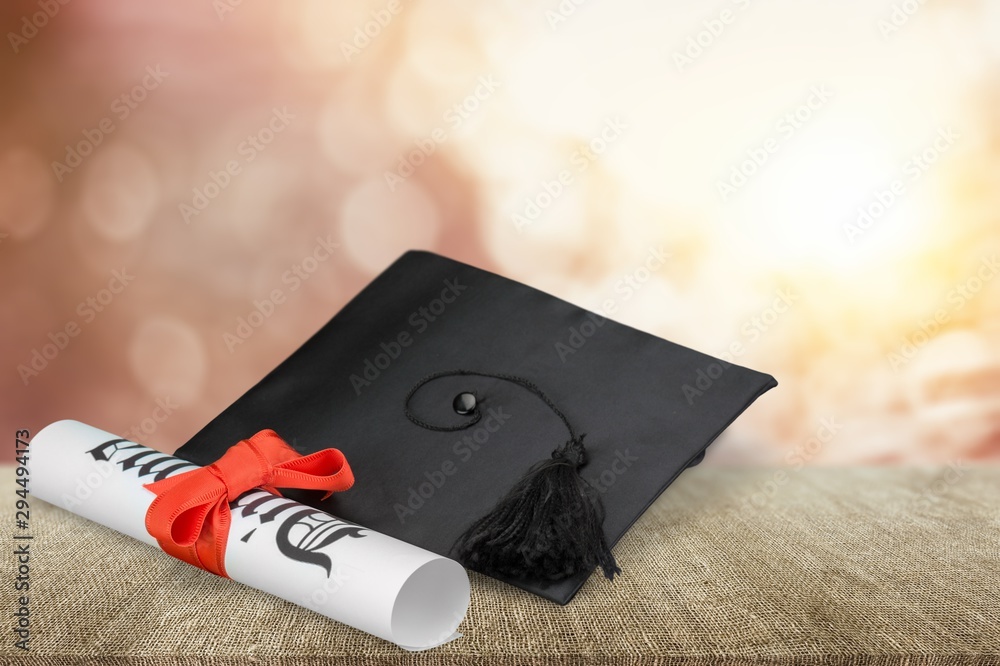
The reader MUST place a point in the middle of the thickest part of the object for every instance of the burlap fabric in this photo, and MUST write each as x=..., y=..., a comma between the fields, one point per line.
x=730, y=566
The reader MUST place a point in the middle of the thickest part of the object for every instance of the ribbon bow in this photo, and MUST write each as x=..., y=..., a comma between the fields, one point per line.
x=190, y=516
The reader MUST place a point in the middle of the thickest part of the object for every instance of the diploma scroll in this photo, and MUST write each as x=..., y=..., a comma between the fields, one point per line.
x=370, y=581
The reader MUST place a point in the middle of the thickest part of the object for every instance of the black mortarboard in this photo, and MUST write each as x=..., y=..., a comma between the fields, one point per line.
x=490, y=421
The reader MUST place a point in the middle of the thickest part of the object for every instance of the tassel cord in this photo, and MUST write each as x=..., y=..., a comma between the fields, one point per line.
x=549, y=525
x=514, y=379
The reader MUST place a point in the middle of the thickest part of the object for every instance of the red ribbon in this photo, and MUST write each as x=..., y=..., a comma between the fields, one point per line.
x=190, y=516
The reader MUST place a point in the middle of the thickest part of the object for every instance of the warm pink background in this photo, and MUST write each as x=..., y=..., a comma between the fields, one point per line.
x=554, y=86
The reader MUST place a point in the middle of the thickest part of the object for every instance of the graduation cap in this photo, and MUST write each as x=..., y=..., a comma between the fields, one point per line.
x=491, y=422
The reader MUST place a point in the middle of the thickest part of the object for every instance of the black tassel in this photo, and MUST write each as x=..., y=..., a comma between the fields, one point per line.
x=549, y=525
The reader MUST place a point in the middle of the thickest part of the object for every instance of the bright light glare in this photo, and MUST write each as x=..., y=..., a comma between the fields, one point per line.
x=836, y=209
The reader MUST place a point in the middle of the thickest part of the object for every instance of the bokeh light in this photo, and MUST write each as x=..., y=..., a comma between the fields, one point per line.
x=823, y=181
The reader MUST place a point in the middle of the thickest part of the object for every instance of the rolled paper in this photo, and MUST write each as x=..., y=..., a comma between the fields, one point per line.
x=370, y=581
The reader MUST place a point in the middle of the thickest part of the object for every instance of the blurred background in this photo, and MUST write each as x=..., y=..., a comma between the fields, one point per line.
x=822, y=179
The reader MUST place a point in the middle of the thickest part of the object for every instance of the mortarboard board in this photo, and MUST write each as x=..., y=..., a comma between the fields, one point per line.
x=492, y=422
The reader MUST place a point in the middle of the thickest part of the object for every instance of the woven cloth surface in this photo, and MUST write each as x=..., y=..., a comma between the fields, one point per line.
x=729, y=566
